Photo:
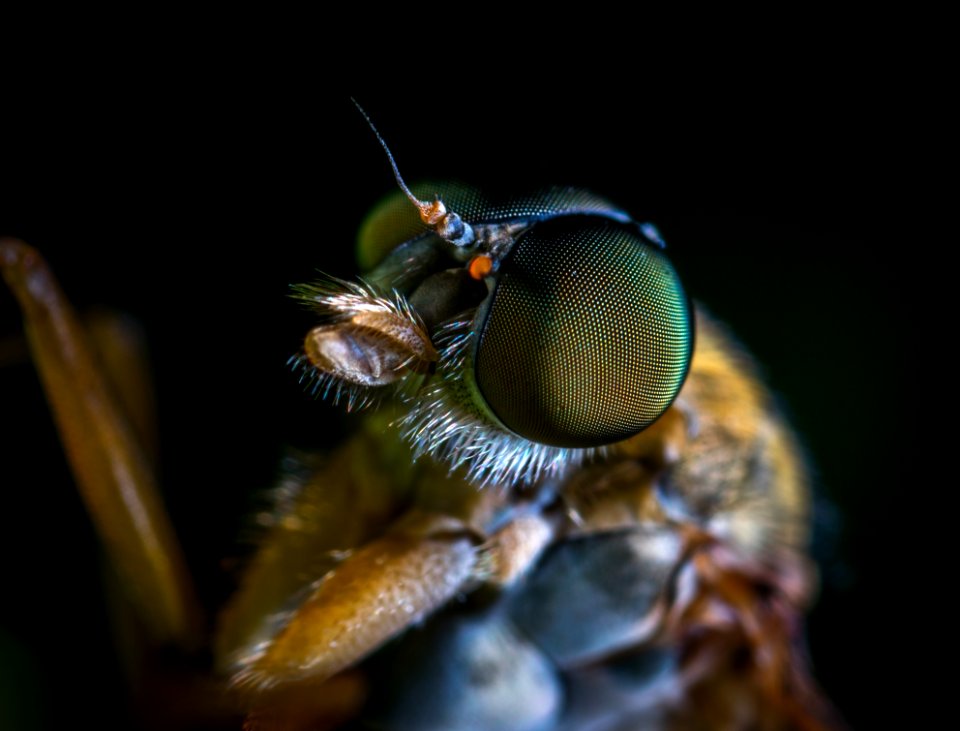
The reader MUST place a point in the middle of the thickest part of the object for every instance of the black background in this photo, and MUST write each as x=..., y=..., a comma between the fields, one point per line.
x=192, y=205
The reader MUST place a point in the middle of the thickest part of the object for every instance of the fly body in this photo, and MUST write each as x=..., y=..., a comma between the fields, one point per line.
x=571, y=502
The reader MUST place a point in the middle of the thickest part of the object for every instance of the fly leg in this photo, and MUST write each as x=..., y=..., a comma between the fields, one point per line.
x=375, y=593
x=104, y=452
x=355, y=555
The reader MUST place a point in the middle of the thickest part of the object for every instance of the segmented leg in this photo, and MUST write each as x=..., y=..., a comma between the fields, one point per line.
x=114, y=480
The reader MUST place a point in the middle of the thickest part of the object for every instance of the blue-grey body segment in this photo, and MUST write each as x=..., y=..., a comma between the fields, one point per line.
x=524, y=661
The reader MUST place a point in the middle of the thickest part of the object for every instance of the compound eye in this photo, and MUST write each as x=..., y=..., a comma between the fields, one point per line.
x=587, y=337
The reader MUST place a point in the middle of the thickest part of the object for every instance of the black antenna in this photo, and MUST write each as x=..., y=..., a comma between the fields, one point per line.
x=446, y=224
x=393, y=163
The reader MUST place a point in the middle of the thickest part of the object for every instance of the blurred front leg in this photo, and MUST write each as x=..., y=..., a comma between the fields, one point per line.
x=115, y=482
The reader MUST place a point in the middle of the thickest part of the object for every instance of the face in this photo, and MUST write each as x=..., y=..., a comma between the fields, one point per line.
x=557, y=328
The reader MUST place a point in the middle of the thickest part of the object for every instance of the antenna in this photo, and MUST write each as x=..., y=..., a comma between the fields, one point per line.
x=446, y=224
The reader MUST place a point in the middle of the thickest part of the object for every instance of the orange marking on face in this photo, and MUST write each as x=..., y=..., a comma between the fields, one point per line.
x=480, y=266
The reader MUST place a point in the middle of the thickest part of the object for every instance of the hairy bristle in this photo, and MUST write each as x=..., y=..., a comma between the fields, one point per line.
x=438, y=425
x=339, y=300
x=328, y=387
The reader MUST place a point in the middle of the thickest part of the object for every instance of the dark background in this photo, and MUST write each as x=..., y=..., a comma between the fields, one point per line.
x=193, y=206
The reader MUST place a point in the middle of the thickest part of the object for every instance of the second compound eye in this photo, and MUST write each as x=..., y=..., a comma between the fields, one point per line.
x=587, y=336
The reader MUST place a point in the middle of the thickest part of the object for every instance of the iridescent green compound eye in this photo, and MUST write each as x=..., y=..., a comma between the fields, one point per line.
x=587, y=337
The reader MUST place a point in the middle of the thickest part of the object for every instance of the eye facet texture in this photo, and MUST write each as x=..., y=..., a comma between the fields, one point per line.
x=588, y=336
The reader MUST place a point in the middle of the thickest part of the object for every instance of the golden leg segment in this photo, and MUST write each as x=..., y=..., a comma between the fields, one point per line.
x=115, y=482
